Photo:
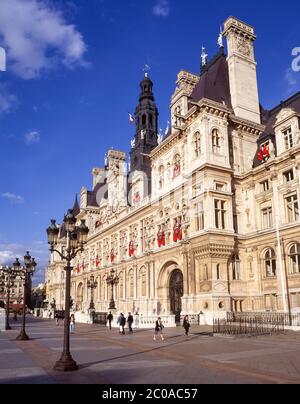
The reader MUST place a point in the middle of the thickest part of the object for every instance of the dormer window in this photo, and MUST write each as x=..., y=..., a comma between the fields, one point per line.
x=288, y=138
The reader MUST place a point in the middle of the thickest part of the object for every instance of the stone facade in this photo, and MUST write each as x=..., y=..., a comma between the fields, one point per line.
x=220, y=229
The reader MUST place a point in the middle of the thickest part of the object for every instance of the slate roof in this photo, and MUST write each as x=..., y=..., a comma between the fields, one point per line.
x=214, y=81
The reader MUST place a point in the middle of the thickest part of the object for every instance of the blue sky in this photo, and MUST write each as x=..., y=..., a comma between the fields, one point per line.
x=72, y=76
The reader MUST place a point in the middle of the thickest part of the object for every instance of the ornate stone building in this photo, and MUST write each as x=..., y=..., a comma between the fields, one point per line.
x=207, y=218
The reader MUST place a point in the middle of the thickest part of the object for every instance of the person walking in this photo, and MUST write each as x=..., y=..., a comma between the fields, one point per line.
x=130, y=322
x=122, y=323
x=110, y=318
x=56, y=316
x=158, y=329
x=72, y=324
x=186, y=325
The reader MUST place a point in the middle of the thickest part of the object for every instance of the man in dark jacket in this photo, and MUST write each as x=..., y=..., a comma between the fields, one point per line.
x=110, y=319
x=130, y=322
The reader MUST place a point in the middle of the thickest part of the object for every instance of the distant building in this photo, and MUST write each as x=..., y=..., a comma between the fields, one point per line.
x=194, y=225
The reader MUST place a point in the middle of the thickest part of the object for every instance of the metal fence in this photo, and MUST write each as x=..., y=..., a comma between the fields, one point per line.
x=284, y=319
x=247, y=326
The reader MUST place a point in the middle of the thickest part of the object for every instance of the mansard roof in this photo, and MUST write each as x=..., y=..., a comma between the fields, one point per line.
x=92, y=195
x=214, y=81
x=269, y=117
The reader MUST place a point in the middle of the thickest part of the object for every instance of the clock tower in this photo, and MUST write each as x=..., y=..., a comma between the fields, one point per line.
x=145, y=139
x=242, y=69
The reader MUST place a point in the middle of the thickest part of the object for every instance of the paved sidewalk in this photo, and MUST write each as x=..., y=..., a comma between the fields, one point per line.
x=105, y=357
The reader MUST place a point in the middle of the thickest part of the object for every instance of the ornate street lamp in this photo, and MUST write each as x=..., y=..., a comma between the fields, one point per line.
x=112, y=280
x=24, y=272
x=7, y=282
x=92, y=285
x=76, y=240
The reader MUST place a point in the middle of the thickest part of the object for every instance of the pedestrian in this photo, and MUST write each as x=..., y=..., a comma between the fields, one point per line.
x=158, y=329
x=121, y=322
x=15, y=316
x=186, y=325
x=72, y=324
x=56, y=316
x=130, y=322
x=110, y=318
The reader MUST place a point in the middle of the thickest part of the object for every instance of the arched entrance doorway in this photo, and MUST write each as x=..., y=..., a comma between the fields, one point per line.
x=176, y=293
x=79, y=297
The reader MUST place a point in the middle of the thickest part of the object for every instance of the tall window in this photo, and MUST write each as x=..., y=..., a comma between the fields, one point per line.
x=267, y=218
x=131, y=284
x=197, y=145
x=270, y=263
x=292, y=207
x=216, y=142
x=288, y=176
x=176, y=166
x=220, y=214
x=236, y=268
x=294, y=259
x=200, y=216
x=161, y=176
x=143, y=283
x=264, y=186
x=288, y=138
x=121, y=286
x=218, y=271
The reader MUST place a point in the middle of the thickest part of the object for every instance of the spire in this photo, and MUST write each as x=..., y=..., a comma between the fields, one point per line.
x=146, y=127
x=76, y=208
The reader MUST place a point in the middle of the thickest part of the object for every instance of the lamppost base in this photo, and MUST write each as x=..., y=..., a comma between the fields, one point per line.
x=22, y=336
x=66, y=364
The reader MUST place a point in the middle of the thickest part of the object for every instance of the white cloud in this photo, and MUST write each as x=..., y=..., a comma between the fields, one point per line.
x=9, y=252
x=32, y=137
x=292, y=80
x=13, y=197
x=161, y=8
x=38, y=38
x=8, y=101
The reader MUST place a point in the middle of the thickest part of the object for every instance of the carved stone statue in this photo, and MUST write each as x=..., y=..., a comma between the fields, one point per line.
x=133, y=144
x=204, y=56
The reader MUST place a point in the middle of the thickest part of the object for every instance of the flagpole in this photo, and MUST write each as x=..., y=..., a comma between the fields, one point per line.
x=283, y=284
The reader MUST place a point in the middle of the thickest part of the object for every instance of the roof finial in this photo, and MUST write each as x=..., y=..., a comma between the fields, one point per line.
x=204, y=56
x=220, y=38
x=146, y=70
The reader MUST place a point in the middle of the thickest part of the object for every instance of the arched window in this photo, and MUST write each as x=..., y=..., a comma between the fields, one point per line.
x=216, y=141
x=144, y=120
x=131, y=284
x=121, y=286
x=176, y=166
x=270, y=263
x=161, y=173
x=150, y=120
x=236, y=268
x=197, y=145
x=143, y=285
x=294, y=259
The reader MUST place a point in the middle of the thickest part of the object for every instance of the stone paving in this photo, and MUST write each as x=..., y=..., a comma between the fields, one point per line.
x=105, y=357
